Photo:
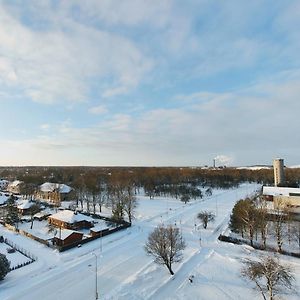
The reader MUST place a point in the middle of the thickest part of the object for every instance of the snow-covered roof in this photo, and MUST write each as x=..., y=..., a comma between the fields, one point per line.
x=99, y=227
x=64, y=233
x=70, y=217
x=25, y=204
x=50, y=187
x=280, y=191
x=3, y=199
x=40, y=215
x=295, y=167
x=43, y=213
x=16, y=183
x=255, y=168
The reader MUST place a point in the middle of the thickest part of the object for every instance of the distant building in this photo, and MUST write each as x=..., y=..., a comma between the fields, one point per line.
x=15, y=186
x=283, y=197
x=278, y=165
x=55, y=192
x=24, y=206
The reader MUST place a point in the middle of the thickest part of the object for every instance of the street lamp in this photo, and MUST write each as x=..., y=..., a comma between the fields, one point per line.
x=96, y=287
x=200, y=237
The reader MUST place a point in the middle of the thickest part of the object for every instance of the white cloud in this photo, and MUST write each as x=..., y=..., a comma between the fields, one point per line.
x=223, y=160
x=45, y=127
x=98, y=110
x=55, y=65
x=122, y=12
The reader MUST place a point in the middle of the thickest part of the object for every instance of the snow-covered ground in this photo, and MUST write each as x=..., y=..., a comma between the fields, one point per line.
x=42, y=230
x=16, y=258
x=124, y=271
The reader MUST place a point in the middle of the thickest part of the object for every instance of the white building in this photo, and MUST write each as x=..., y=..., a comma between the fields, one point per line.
x=283, y=197
x=55, y=192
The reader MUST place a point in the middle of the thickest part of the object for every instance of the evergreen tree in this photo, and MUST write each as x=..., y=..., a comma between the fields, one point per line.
x=4, y=266
x=12, y=216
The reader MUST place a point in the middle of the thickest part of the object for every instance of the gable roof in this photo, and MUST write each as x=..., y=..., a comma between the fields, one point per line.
x=15, y=183
x=51, y=187
x=65, y=233
x=25, y=204
x=69, y=216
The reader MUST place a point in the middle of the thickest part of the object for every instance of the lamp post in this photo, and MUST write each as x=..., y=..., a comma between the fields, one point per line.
x=96, y=287
x=200, y=237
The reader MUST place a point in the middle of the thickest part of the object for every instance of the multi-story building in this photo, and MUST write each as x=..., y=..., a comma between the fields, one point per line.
x=278, y=165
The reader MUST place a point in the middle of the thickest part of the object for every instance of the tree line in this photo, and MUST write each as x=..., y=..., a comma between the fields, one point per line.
x=252, y=219
x=151, y=178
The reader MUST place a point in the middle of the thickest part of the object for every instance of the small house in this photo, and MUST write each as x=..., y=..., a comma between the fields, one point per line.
x=67, y=237
x=70, y=220
x=55, y=192
x=98, y=231
x=24, y=207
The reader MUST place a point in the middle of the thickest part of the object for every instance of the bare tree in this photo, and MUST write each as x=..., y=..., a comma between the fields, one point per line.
x=205, y=217
x=262, y=219
x=35, y=208
x=296, y=233
x=130, y=204
x=185, y=198
x=269, y=276
x=279, y=217
x=208, y=192
x=165, y=244
x=250, y=217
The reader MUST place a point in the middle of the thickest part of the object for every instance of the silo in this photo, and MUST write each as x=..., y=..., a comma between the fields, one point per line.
x=278, y=165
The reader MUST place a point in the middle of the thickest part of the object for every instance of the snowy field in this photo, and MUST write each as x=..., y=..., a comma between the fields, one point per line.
x=15, y=258
x=126, y=272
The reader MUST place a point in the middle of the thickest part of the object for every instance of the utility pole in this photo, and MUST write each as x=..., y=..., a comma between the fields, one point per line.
x=96, y=286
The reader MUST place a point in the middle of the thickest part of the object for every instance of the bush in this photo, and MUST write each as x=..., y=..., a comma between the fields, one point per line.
x=4, y=266
x=11, y=250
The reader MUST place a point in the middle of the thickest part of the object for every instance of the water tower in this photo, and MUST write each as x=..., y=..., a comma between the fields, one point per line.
x=278, y=165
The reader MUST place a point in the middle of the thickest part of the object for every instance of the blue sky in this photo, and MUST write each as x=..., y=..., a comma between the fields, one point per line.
x=142, y=83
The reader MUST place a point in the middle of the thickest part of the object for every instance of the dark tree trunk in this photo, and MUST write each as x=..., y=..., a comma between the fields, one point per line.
x=170, y=270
